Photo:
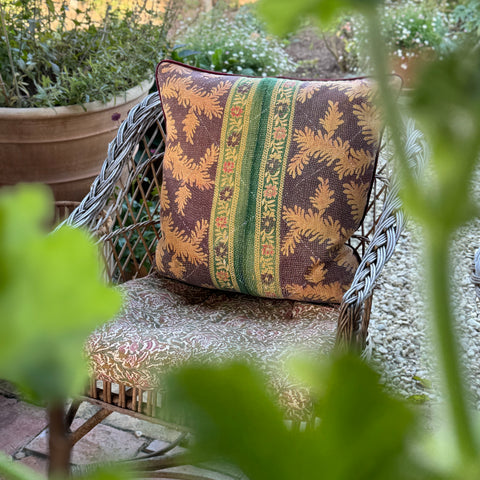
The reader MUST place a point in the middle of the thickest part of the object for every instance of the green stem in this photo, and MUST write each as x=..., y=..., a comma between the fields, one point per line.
x=448, y=351
x=438, y=244
x=59, y=445
x=390, y=106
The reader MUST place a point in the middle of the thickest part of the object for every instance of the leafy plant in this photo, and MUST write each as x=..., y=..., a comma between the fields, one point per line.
x=51, y=56
x=51, y=298
x=409, y=29
x=467, y=16
x=362, y=433
x=234, y=43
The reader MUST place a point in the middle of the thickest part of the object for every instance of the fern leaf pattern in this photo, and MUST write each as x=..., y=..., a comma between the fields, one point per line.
x=357, y=198
x=182, y=245
x=369, y=119
x=264, y=181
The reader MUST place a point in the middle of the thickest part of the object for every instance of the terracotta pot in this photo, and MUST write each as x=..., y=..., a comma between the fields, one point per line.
x=410, y=64
x=63, y=147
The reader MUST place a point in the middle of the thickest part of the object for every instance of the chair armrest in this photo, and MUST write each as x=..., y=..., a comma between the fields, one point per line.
x=356, y=303
x=91, y=213
x=476, y=272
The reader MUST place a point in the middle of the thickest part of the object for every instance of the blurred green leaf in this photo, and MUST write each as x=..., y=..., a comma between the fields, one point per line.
x=50, y=6
x=234, y=418
x=284, y=16
x=446, y=102
x=16, y=471
x=362, y=432
x=51, y=297
x=423, y=382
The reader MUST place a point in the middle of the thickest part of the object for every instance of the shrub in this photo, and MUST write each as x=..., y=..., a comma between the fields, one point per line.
x=409, y=29
x=50, y=56
x=234, y=43
x=467, y=17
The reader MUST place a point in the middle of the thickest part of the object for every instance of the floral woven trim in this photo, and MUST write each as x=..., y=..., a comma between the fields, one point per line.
x=267, y=240
x=234, y=159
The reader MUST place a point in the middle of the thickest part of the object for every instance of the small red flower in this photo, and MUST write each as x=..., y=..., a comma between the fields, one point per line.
x=221, y=222
x=236, y=111
x=271, y=191
x=267, y=250
x=223, y=276
x=279, y=133
x=228, y=167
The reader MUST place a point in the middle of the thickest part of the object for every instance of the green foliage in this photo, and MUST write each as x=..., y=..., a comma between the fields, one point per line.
x=53, y=57
x=446, y=104
x=16, y=471
x=409, y=29
x=363, y=433
x=467, y=16
x=51, y=298
x=234, y=43
x=285, y=16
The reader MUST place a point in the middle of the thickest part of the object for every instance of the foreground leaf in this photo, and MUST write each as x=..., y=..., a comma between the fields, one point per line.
x=51, y=297
x=362, y=432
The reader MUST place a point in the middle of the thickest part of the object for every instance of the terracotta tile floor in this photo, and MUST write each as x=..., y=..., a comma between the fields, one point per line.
x=23, y=436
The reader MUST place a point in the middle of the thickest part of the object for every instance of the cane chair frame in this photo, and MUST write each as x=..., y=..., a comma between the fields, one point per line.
x=122, y=212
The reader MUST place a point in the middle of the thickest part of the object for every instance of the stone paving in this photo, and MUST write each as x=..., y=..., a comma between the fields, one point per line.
x=24, y=432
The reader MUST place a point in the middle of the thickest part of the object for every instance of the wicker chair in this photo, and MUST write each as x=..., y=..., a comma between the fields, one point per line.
x=122, y=211
x=476, y=273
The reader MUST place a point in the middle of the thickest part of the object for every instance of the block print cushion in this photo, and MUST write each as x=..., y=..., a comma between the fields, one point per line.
x=165, y=324
x=264, y=181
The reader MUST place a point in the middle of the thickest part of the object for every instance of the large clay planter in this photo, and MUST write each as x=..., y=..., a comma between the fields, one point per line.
x=410, y=65
x=63, y=147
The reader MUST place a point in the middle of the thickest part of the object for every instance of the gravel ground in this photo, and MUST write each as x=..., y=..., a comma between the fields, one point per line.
x=400, y=343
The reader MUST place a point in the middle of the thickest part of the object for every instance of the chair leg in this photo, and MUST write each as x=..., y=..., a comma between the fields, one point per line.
x=72, y=412
x=166, y=449
x=147, y=466
x=89, y=424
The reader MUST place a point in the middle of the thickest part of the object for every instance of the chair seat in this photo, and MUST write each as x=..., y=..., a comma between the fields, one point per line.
x=165, y=323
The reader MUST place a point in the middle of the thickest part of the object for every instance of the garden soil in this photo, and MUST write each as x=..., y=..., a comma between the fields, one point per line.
x=314, y=58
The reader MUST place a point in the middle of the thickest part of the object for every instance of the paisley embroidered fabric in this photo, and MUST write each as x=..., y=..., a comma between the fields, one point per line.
x=264, y=181
x=166, y=323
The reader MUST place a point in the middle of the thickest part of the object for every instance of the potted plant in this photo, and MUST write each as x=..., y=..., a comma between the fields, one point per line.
x=67, y=78
x=414, y=33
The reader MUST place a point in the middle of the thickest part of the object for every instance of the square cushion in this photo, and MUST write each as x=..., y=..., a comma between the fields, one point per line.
x=264, y=181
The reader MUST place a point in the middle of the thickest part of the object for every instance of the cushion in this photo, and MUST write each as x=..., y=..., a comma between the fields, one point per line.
x=264, y=181
x=166, y=323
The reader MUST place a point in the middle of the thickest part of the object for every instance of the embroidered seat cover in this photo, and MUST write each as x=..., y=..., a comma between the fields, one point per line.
x=166, y=323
